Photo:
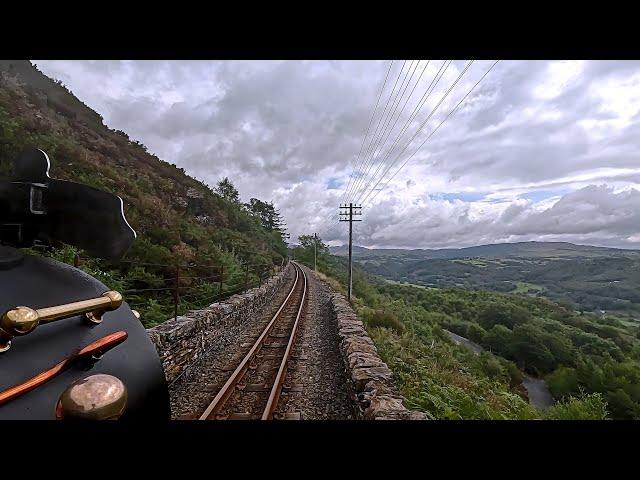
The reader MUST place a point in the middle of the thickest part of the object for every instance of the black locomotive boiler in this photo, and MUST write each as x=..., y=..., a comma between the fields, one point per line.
x=70, y=348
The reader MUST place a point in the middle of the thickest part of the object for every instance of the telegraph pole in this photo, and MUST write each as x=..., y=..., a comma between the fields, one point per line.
x=315, y=252
x=347, y=215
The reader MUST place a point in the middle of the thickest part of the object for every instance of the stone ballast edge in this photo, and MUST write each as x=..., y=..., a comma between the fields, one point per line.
x=182, y=341
x=372, y=383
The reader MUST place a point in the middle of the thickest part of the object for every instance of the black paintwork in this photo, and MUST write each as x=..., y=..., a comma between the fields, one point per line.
x=39, y=282
x=35, y=206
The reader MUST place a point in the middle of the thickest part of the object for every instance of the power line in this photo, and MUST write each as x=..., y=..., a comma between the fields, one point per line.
x=429, y=136
x=419, y=129
x=436, y=129
x=434, y=82
x=384, y=135
x=378, y=124
x=357, y=168
x=430, y=89
x=368, y=128
x=375, y=138
x=394, y=124
x=387, y=118
x=382, y=140
x=446, y=94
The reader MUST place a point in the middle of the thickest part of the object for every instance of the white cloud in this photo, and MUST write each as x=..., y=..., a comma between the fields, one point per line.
x=541, y=150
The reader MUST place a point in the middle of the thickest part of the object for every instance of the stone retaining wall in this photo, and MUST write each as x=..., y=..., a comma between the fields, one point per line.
x=182, y=341
x=371, y=379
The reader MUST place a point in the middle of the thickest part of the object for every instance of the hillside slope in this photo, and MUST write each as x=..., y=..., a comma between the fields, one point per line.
x=177, y=218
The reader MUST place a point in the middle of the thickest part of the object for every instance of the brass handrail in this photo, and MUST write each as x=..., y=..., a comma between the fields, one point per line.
x=23, y=320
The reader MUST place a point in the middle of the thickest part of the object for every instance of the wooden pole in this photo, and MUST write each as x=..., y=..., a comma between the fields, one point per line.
x=350, y=211
x=315, y=252
x=176, y=293
x=349, y=286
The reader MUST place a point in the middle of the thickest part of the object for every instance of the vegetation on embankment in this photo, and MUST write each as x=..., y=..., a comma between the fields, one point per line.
x=591, y=364
x=178, y=219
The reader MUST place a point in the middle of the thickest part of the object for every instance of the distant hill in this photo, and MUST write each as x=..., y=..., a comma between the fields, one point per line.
x=591, y=278
x=496, y=250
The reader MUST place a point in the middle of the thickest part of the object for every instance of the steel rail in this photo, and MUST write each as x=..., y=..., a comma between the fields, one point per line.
x=228, y=388
x=274, y=396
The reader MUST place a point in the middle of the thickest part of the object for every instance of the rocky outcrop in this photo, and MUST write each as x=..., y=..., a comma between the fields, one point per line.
x=194, y=193
x=182, y=342
x=371, y=379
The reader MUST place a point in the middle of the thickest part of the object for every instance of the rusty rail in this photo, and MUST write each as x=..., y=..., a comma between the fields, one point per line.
x=272, y=403
x=228, y=388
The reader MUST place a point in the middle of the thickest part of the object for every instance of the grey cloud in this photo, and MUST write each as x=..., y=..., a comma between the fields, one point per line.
x=588, y=211
x=594, y=214
x=280, y=130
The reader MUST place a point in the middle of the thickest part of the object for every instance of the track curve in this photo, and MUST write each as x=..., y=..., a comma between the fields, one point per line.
x=253, y=389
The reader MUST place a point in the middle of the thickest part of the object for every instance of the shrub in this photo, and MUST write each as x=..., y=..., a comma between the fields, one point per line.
x=491, y=366
x=585, y=407
x=498, y=339
x=154, y=314
x=505, y=314
x=621, y=404
x=563, y=382
x=512, y=370
x=378, y=318
x=475, y=332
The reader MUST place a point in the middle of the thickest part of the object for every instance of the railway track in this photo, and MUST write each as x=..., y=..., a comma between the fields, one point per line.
x=253, y=390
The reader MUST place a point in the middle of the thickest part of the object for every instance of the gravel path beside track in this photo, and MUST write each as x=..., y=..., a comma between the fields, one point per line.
x=316, y=377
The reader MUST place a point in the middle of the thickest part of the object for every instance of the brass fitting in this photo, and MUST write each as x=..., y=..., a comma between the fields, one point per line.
x=23, y=320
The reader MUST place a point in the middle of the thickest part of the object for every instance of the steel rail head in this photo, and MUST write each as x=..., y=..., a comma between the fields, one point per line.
x=274, y=395
x=227, y=389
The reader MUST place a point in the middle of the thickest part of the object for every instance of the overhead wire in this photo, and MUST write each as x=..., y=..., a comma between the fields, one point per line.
x=452, y=112
x=375, y=134
x=432, y=85
x=368, y=129
x=384, y=135
x=419, y=129
x=427, y=94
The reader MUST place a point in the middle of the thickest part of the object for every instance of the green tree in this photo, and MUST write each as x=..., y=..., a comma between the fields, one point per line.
x=503, y=313
x=585, y=407
x=621, y=404
x=227, y=190
x=304, y=252
x=269, y=216
x=475, y=332
x=498, y=339
x=563, y=382
x=529, y=349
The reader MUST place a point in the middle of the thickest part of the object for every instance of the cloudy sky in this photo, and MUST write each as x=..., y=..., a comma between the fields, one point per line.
x=537, y=151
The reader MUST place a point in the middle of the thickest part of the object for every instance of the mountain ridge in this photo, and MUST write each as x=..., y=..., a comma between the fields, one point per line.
x=491, y=250
x=589, y=278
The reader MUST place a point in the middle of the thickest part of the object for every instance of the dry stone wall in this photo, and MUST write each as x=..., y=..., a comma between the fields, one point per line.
x=371, y=379
x=182, y=341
